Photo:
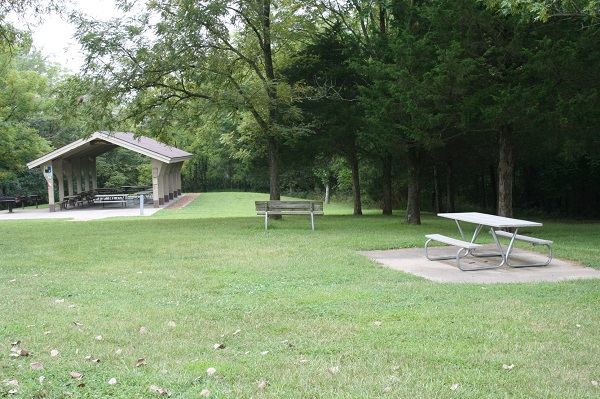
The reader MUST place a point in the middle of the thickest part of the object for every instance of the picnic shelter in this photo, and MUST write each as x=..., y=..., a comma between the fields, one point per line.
x=76, y=163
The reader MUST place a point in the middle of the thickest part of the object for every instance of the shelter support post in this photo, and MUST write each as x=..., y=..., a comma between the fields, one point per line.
x=68, y=169
x=47, y=170
x=86, y=174
x=157, y=186
x=94, y=172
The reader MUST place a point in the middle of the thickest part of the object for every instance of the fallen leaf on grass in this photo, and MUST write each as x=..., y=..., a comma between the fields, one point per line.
x=377, y=323
x=172, y=324
x=161, y=391
x=59, y=301
x=20, y=352
x=36, y=366
x=236, y=332
x=262, y=385
x=15, y=343
x=143, y=330
x=78, y=324
x=53, y=352
x=47, y=332
x=454, y=387
x=67, y=393
x=41, y=379
x=264, y=353
x=119, y=351
x=595, y=383
x=13, y=392
x=205, y=392
x=211, y=370
x=141, y=362
x=76, y=375
x=333, y=370
x=387, y=389
x=13, y=383
x=219, y=346
x=112, y=381
x=507, y=367
x=98, y=338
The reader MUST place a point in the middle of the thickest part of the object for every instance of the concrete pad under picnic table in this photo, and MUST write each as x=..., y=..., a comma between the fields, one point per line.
x=413, y=260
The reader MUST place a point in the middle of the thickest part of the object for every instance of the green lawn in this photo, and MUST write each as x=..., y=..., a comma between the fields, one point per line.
x=296, y=308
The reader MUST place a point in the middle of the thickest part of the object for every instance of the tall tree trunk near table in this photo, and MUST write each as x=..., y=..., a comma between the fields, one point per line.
x=416, y=160
x=505, y=170
x=356, y=185
x=387, y=184
x=437, y=188
x=450, y=187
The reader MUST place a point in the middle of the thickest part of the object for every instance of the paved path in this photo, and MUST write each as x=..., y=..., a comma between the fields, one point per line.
x=412, y=260
x=92, y=212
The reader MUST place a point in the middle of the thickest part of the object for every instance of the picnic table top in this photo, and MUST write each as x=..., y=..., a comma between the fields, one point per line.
x=489, y=220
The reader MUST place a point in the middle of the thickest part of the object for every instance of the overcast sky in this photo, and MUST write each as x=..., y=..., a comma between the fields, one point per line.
x=55, y=36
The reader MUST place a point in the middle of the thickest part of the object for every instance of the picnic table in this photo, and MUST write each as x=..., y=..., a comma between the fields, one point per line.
x=499, y=226
x=9, y=201
x=111, y=198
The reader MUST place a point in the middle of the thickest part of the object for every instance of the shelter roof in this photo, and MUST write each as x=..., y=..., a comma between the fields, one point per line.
x=101, y=142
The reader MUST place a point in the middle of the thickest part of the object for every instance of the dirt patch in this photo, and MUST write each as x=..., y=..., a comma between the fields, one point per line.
x=182, y=202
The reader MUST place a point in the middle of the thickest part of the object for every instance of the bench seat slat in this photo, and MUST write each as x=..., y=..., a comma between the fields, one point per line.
x=452, y=241
x=532, y=240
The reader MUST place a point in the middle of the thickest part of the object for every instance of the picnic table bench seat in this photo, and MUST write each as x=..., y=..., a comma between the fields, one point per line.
x=267, y=208
x=463, y=248
x=532, y=240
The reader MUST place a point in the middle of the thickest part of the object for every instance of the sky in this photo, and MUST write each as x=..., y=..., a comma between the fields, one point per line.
x=54, y=37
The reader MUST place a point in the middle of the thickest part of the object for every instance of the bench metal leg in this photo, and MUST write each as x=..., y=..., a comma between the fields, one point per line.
x=312, y=220
x=266, y=220
x=510, y=248
x=531, y=264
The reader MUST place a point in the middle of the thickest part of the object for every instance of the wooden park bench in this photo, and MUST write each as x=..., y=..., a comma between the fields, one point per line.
x=311, y=208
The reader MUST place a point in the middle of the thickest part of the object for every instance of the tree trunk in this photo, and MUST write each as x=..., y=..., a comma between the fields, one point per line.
x=274, y=190
x=505, y=171
x=415, y=159
x=494, y=187
x=356, y=186
x=387, y=184
x=438, y=189
x=450, y=187
x=328, y=190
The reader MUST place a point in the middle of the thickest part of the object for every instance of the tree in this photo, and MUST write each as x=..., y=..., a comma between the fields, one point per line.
x=22, y=95
x=223, y=52
x=544, y=10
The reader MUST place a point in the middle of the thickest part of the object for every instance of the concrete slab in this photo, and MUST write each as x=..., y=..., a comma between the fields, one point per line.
x=90, y=212
x=413, y=260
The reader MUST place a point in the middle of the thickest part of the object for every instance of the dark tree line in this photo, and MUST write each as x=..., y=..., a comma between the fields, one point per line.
x=435, y=105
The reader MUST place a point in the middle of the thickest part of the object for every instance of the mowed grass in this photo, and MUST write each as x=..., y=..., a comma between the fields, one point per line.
x=295, y=308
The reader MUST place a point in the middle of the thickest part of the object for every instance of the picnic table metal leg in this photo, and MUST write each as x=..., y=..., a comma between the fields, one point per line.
x=511, y=247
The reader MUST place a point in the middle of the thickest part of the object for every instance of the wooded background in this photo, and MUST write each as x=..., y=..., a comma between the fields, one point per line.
x=442, y=105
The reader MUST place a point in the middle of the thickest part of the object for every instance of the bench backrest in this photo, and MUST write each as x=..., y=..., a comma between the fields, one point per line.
x=289, y=206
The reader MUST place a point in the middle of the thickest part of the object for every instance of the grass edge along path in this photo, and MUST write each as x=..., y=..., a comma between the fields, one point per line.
x=144, y=307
